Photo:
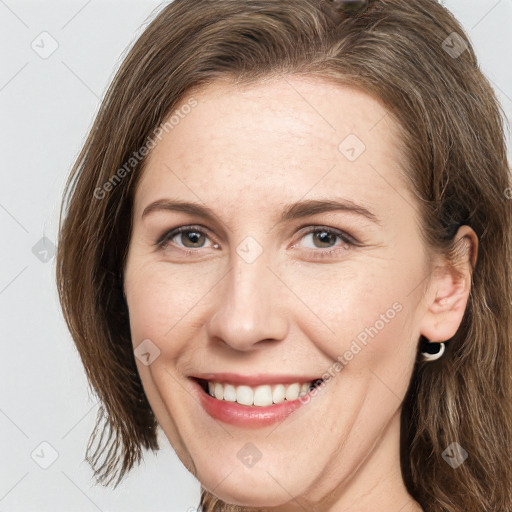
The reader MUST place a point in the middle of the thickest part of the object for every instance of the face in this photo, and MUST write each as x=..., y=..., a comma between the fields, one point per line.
x=299, y=259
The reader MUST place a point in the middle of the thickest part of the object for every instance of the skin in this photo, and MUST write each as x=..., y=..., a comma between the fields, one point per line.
x=245, y=152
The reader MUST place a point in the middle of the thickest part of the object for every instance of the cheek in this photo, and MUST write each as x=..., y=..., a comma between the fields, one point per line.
x=361, y=315
x=160, y=297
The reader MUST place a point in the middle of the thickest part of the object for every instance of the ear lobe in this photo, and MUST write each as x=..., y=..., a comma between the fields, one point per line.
x=450, y=286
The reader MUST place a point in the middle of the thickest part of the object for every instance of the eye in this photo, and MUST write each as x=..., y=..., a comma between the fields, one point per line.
x=325, y=238
x=186, y=237
x=192, y=238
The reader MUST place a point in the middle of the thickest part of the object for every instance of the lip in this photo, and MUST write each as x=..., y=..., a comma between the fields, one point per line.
x=243, y=415
x=255, y=379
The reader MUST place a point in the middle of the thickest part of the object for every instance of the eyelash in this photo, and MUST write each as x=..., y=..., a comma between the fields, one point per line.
x=163, y=241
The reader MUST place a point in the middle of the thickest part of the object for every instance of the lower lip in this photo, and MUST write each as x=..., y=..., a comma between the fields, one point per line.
x=244, y=415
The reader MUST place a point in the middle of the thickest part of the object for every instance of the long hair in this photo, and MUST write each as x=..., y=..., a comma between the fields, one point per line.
x=415, y=58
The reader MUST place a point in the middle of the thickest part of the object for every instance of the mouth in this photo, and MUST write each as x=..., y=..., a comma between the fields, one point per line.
x=253, y=401
x=263, y=395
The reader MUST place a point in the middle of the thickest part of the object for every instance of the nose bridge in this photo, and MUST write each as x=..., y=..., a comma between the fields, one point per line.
x=247, y=309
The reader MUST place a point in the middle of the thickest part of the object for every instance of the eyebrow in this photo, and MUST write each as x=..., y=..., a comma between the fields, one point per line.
x=292, y=211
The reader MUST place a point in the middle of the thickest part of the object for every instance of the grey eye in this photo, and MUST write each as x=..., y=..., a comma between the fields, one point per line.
x=350, y=7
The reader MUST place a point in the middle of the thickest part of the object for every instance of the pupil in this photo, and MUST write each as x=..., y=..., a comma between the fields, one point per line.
x=192, y=237
x=325, y=237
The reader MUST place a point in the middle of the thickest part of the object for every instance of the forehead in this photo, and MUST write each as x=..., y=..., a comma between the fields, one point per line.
x=276, y=141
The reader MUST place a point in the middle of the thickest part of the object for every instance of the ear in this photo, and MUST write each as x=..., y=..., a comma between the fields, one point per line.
x=449, y=288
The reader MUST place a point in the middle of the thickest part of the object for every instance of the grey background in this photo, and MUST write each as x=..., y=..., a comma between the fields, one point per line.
x=47, y=105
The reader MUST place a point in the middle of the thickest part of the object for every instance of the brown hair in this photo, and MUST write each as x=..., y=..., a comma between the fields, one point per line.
x=453, y=137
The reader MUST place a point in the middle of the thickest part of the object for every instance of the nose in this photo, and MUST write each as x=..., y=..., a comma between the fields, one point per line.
x=249, y=306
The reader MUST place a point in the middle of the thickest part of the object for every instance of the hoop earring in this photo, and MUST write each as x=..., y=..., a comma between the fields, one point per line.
x=430, y=353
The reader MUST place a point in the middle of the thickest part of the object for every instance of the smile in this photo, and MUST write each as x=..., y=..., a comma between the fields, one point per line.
x=252, y=402
x=258, y=396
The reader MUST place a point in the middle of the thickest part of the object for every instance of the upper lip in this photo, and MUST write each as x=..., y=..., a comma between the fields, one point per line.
x=254, y=379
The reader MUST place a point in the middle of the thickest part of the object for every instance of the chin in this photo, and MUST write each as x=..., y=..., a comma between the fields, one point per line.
x=262, y=491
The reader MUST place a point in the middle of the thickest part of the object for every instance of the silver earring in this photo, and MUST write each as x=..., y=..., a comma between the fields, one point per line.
x=431, y=354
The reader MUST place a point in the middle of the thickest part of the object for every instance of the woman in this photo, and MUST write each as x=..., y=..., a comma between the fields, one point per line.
x=287, y=244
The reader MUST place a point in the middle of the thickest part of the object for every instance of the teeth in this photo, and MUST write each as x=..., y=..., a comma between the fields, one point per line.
x=244, y=395
x=292, y=392
x=229, y=393
x=278, y=394
x=218, y=391
x=262, y=396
